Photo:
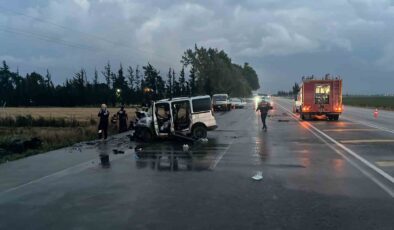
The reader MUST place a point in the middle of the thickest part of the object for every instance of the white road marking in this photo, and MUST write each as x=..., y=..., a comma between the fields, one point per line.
x=369, y=125
x=366, y=141
x=389, y=163
x=221, y=156
x=364, y=161
x=348, y=130
x=354, y=164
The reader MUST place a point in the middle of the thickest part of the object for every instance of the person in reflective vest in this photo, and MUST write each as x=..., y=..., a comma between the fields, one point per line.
x=264, y=107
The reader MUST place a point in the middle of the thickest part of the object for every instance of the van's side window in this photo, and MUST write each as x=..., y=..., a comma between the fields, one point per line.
x=201, y=105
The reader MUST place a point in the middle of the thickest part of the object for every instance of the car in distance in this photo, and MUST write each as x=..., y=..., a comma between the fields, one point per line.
x=221, y=102
x=237, y=103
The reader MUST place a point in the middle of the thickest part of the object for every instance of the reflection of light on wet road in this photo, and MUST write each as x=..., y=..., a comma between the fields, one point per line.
x=170, y=156
x=305, y=159
x=338, y=165
x=262, y=148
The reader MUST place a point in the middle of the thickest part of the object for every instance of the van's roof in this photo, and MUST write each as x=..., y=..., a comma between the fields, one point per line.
x=221, y=94
x=183, y=98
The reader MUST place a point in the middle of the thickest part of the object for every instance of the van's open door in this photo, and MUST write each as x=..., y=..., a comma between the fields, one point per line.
x=172, y=127
x=155, y=124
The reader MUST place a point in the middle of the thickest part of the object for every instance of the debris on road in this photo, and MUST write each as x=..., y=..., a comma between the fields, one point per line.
x=283, y=120
x=75, y=148
x=258, y=176
x=203, y=140
x=115, y=151
x=185, y=148
x=138, y=148
x=90, y=143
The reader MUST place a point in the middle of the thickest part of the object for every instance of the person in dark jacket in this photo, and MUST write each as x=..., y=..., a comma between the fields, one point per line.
x=103, y=123
x=264, y=107
x=122, y=118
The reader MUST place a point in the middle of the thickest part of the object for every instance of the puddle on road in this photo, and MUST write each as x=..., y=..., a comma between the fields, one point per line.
x=285, y=165
x=160, y=155
x=170, y=156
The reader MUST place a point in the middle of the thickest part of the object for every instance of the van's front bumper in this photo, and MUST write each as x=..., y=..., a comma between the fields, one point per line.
x=213, y=127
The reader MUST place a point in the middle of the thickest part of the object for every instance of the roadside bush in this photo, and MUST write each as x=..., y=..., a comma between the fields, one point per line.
x=7, y=121
x=40, y=121
x=23, y=120
x=74, y=122
x=58, y=122
x=92, y=121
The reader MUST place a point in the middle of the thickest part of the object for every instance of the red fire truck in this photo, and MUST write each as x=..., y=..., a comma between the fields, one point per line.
x=319, y=97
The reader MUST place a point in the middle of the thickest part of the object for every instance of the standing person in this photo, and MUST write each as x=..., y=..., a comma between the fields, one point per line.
x=103, y=124
x=122, y=118
x=264, y=107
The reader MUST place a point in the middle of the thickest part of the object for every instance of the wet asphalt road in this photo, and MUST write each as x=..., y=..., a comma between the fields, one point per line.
x=316, y=175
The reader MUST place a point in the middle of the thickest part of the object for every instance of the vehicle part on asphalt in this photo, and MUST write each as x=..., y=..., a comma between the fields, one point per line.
x=203, y=140
x=115, y=151
x=185, y=148
x=258, y=176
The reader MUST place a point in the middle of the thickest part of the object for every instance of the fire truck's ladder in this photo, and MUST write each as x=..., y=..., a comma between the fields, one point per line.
x=336, y=88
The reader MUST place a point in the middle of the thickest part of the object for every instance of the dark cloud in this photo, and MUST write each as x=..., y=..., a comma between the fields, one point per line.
x=283, y=40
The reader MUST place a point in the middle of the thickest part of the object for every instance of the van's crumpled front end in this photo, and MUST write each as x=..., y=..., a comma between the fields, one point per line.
x=142, y=124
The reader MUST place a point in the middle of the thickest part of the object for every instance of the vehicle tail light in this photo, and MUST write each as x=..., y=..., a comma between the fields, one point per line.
x=306, y=108
x=338, y=109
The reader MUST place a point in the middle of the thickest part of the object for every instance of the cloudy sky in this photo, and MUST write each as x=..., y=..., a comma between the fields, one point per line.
x=282, y=39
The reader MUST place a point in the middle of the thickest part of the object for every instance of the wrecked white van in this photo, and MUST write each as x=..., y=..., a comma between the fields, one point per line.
x=183, y=116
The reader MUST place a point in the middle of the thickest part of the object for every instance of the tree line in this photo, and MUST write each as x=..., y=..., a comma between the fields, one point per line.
x=204, y=71
x=292, y=93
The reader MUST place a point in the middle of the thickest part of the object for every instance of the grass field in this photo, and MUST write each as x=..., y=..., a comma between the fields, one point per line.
x=381, y=102
x=51, y=137
x=78, y=113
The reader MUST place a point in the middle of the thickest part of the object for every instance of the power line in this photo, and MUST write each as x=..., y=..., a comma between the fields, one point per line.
x=46, y=38
x=57, y=25
x=164, y=59
x=56, y=40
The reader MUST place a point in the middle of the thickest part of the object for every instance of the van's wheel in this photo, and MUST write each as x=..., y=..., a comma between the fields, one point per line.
x=302, y=117
x=146, y=135
x=199, y=132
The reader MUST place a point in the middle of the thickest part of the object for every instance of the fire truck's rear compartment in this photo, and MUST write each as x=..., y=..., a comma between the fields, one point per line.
x=321, y=98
